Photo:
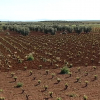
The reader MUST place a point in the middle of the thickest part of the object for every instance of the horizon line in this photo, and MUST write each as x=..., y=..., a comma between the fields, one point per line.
x=49, y=20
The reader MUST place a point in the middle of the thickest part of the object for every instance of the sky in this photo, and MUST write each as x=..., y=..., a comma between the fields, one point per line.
x=31, y=10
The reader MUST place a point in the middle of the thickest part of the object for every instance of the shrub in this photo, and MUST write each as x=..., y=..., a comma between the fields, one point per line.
x=86, y=73
x=95, y=77
x=71, y=65
x=47, y=71
x=85, y=97
x=65, y=70
x=30, y=57
x=22, y=91
x=4, y=27
x=78, y=69
x=69, y=29
x=7, y=33
x=1, y=90
x=27, y=97
x=15, y=78
x=19, y=60
x=31, y=72
x=25, y=67
x=2, y=98
x=53, y=32
x=39, y=81
x=94, y=67
x=86, y=83
x=87, y=29
x=78, y=29
x=72, y=95
x=12, y=74
x=53, y=74
x=77, y=79
x=63, y=33
x=19, y=85
x=86, y=64
x=40, y=66
x=70, y=73
x=50, y=93
x=56, y=65
x=58, y=80
x=66, y=86
x=58, y=98
x=24, y=31
x=46, y=87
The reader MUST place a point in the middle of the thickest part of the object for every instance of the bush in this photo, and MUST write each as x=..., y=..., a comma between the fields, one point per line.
x=7, y=33
x=69, y=29
x=72, y=95
x=30, y=57
x=65, y=70
x=78, y=29
x=71, y=65
x=50, y=94
x=2, y=98
x=19, y=85
x=87, y=29
x=58, y=98
x=52, y=31
x=85, y=97
x=63, y=32
x=58, y=80
x=4, y=27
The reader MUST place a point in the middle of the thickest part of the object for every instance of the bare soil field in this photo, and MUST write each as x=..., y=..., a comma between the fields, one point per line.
x=75, y=91
x=39, y=77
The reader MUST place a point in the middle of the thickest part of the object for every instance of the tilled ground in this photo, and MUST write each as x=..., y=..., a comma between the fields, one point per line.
x=51, y=52
x=75, y=91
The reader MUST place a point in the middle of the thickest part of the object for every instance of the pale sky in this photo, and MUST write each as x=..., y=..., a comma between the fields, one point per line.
x=22, y=10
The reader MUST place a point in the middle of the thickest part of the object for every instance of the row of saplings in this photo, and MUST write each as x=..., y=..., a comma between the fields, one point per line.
x=47, y=29
x=64, y=70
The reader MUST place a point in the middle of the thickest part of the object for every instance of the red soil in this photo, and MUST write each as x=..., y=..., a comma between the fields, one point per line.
x=49, y=51
x=36, y=91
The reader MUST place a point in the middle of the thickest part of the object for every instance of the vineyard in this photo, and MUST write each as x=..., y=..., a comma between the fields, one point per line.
x=34, y=55
x=49, y=50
